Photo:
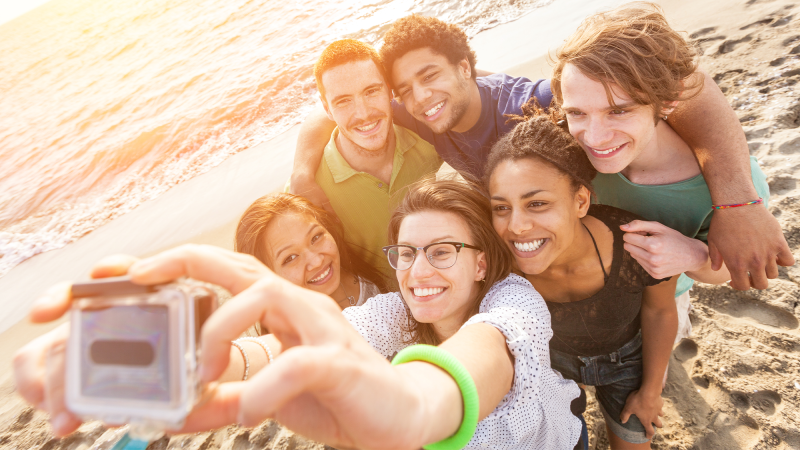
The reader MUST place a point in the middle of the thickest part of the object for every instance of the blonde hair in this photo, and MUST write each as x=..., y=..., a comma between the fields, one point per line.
x=634, y=48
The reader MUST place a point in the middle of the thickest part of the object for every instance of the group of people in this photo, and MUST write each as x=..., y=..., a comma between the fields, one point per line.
x=589, y=205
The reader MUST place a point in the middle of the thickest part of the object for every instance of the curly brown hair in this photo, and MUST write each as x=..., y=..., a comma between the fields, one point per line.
x=414, y=32
x=543, y=135
x=634, y=48
x=342, y=52
x=470, y=204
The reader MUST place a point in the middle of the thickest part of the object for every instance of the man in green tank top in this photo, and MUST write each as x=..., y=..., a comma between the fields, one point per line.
x=616, y=90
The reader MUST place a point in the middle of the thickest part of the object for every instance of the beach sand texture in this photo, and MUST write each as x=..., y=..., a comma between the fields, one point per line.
x=734, y=385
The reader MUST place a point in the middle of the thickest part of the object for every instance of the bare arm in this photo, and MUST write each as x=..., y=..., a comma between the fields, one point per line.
x=659, y=317
x=710, y=126
x=311, y=141
x=706, y=273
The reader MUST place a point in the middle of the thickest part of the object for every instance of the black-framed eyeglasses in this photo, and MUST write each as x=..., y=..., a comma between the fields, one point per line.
x=441, y=255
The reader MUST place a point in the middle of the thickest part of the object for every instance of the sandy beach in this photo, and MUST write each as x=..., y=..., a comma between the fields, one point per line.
x=734, y=385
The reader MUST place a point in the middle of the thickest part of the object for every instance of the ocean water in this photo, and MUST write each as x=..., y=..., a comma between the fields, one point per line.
x=104, y=105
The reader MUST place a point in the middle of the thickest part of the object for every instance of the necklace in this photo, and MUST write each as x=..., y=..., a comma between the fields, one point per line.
x=350, y=298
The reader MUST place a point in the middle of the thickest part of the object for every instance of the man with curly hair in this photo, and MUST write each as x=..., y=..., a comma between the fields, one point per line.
x=439, y=96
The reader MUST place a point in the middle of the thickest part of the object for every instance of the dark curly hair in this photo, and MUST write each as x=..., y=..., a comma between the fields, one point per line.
x=414, y=32
x=543, y=135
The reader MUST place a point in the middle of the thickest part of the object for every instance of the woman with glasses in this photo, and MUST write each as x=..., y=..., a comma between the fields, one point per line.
x=487, y=383
x=613, y=323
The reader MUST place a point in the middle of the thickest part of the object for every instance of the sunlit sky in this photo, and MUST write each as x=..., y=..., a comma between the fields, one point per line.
x=10, y=9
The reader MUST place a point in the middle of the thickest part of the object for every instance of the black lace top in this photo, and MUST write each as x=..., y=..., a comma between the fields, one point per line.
x=610, y=318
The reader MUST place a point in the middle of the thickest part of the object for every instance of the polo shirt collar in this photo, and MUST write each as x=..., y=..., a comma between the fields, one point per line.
x=341, y=170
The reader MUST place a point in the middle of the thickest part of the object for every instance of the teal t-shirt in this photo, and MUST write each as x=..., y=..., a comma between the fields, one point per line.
x=684, y=206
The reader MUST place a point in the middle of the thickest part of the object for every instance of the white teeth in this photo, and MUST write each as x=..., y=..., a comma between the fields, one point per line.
x=425, y=292
x=434, y=110
x=528, y=246
x=605, y=152
x=369, y=127
x=323, y=275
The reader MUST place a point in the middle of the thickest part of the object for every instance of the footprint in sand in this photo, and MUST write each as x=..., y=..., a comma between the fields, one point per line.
x=765, y=401
x=702, y=39
x=758, y=313
x=731, y=44
x=686, y=350
x=788, y=42
x=782, y=185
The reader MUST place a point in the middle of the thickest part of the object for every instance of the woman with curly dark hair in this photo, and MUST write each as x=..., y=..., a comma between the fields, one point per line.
x=613, y=323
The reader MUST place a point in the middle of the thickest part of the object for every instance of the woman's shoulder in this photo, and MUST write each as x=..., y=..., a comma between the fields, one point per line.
x=512, y=290
x=386, y=306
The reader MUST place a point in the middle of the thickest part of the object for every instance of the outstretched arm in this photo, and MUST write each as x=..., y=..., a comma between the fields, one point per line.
x=328, y=383
x=710, y=126
x=311, y=141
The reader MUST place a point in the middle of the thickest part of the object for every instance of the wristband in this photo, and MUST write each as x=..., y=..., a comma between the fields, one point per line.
x=469, y=393
x=736, y=205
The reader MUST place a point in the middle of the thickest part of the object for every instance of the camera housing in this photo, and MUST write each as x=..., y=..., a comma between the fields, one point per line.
x=133, y=351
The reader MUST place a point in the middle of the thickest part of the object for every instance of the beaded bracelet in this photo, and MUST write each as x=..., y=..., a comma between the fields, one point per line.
x=260, y=342
x=246, y=359
x=469, y=393
x=736, y=205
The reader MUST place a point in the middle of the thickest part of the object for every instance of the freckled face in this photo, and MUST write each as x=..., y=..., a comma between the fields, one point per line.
x=535, y=212
x=302, y=251
x=437, y=295
x=432, y=89
x=612, y=137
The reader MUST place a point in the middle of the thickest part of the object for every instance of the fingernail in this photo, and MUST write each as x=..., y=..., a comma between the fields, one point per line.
x=60, y=421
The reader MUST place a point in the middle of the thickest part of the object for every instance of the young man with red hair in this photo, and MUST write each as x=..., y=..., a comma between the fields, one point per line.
x=367, y=158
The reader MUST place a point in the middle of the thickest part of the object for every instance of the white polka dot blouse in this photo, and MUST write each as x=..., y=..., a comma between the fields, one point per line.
x=535, y=413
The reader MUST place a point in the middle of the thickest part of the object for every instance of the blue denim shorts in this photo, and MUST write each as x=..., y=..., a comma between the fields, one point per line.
x=614, y=377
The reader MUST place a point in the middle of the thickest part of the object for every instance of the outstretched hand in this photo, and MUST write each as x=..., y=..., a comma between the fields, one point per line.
x=325, y=382
x=750, y=242
x=39, y=366
x=328, y=383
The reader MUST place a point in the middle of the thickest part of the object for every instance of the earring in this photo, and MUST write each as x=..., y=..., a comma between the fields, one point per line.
x=665, y=118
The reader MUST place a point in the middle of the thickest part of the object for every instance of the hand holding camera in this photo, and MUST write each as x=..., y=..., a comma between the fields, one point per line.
x=328, y=383
x=40, y=366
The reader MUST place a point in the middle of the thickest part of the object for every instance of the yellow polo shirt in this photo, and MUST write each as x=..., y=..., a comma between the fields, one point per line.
x=364, y=203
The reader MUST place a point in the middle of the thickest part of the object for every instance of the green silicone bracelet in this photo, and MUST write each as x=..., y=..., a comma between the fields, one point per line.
x=469, y=392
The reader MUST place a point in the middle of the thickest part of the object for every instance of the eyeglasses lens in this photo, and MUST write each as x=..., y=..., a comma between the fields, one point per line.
x=440, y=256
